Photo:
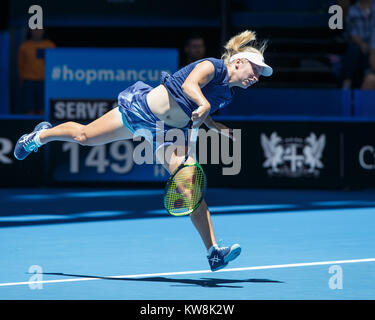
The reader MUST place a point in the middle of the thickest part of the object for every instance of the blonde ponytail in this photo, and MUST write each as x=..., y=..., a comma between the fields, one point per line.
x=240, y=43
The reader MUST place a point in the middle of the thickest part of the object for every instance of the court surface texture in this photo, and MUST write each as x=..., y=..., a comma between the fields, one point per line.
x=121, y=244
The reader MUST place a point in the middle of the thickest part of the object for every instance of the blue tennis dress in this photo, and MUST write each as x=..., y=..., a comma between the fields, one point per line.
x=137, y=115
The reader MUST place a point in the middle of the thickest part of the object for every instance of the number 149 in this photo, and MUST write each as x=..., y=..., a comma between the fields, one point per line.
x=98, y=157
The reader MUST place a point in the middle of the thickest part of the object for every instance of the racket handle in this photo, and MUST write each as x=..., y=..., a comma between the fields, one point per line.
x=194, y=135
x=193, y=140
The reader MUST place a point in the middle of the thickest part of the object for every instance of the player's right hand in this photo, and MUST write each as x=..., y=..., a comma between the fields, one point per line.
x=199, y=115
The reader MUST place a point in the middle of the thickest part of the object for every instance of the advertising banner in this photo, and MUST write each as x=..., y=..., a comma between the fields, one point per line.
x=283, y=154
x=85, y=73
x=81, y=86
x=266, y=154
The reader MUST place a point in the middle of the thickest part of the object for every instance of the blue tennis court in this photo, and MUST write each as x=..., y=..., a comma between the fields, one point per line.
x=120, y=244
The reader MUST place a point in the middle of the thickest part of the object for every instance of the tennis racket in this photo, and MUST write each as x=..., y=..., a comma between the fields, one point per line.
x=186, y=186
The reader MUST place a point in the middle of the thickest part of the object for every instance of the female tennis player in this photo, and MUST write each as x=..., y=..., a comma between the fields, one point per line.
x=190, y=94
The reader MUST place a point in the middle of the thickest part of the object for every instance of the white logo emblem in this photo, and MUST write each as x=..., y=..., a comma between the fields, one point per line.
x=215, y=259
x=24, y=139
x=293, y=157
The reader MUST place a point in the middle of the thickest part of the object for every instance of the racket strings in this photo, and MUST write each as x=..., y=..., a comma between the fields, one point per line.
x=185, y=190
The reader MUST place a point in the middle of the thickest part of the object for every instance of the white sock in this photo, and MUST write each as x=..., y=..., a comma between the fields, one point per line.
x=37, y=140
x=215, y=246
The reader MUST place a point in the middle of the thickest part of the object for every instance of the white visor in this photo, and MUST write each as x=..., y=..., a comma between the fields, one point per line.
x=255, y=58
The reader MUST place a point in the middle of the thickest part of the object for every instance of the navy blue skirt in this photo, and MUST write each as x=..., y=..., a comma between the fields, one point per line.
x=138, y=117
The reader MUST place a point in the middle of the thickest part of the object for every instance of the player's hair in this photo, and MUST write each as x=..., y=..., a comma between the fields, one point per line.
x=240, y=43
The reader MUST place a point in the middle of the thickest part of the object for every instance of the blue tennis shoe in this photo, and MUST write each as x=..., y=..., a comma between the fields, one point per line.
x=27, y=144
x=220, y=257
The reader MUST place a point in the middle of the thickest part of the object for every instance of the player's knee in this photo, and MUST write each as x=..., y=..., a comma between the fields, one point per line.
x=80, y=135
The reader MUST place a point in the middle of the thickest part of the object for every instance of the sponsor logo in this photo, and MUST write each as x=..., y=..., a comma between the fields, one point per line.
x=294, y=156
x=366, y=157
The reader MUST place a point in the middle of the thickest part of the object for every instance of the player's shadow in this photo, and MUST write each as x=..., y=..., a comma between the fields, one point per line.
x=203, y=282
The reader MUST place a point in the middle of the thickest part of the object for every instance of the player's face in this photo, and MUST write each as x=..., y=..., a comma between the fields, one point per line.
x=248, y=73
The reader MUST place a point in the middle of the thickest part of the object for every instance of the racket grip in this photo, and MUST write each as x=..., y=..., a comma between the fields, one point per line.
x=194, y=135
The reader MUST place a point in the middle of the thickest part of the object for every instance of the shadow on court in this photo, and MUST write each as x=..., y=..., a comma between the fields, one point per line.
x=203, y=282
x=30, y=207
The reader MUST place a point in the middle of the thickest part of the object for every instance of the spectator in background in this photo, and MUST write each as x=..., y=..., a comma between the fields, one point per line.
x=194, y=49
x=356, y=58
x=31, y=71
x=345, y=5
x=369, y=82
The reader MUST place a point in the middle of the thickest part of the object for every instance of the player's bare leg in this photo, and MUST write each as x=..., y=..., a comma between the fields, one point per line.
x=201, y=219
x=105, y=129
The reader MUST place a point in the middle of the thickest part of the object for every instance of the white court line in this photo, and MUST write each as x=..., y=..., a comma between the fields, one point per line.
x=277, y=266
